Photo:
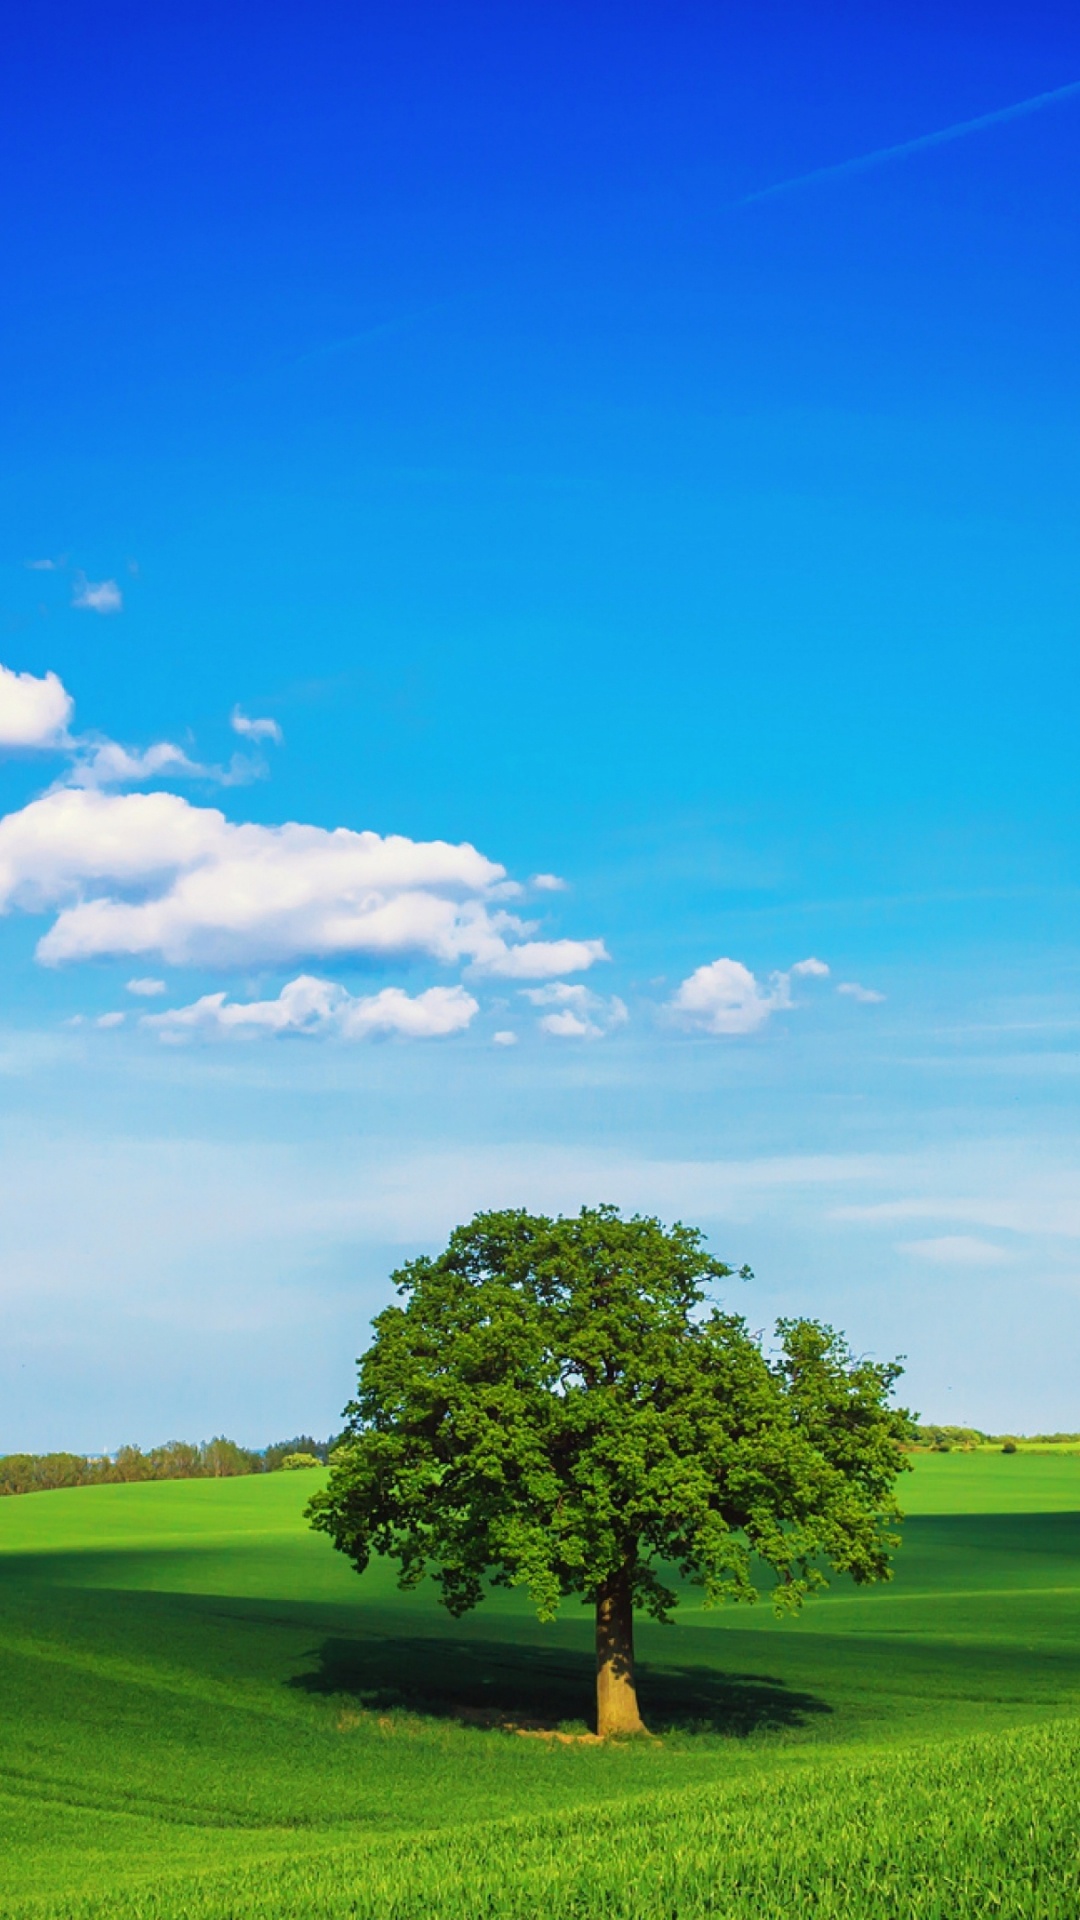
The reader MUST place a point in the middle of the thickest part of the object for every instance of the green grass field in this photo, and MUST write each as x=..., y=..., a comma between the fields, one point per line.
x=204, y=1712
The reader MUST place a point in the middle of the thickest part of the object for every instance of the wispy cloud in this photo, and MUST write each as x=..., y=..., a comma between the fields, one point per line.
x=251, y=729
x=866, y=996
x=956, y=1250
x=104, y=763
x=880, y=156
x=99, y=596
x=576, y=1012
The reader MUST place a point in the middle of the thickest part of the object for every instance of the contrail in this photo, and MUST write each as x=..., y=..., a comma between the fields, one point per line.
x=881, y=154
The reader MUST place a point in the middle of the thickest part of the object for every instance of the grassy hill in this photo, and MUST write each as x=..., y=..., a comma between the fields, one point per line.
x=204, y=1711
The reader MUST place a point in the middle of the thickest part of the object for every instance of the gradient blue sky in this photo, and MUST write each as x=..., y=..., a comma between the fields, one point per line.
x=430, y=380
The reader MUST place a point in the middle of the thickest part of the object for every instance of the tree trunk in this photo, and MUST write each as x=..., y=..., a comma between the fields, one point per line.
x=616, y=1695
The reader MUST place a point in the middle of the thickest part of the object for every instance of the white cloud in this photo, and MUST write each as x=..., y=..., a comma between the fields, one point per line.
x=578, y=1013
x=548, y=883
x=38, y=713
x=724, y=997
x=251, y=729
x=104, y=763
x=956, y=1250
x=146, y=989
x=428, y=1015
x=504, y=1038
x=110, y=1020
x=568, y=1025
x=42, y=566
x=33, y=712
x=149, y=874
x=537, y=959
x=99, y=596
x=311, y=1006
x=866, y=996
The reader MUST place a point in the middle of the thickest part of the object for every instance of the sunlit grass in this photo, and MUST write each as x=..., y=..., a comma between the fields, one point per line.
x=204, y=1712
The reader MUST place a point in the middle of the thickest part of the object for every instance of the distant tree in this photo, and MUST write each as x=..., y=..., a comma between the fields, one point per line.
x=176, y=1460
x=222, y=1458
x=295, y=1461
x=130, y=1463
x=556, y=1406
x=275, y=1456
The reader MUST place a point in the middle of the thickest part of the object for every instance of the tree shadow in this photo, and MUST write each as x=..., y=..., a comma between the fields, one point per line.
x=492, y=1683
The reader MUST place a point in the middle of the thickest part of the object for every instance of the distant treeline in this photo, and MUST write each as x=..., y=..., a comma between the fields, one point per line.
x=965, y=1439
x=220, y=1459
x=178, y=1460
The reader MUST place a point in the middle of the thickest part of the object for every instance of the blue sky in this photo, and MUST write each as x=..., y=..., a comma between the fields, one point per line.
x=442, y=385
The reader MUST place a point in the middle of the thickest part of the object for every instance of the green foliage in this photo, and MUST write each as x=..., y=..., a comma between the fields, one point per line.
x=222, y=1458
x=273, y=1457
x=555, y=1402
x=34, y=1472
x=294, y=1462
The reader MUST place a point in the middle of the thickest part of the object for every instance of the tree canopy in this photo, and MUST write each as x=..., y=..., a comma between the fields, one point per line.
x=556, y=1405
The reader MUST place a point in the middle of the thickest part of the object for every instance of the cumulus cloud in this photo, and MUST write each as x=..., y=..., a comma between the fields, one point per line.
x=98, y=596
x=548, y=883
x=33, y=712
x=504, y=1038
x=139, y=874
x=149, y=873
x=37, y=713
x=576, y=1013
x=251, y=729
x=724, y=997
x=535, y=959
x=866, y=996
x=956, y=1250
x=108, y=1020
x=308, y=1005
x=146, y=989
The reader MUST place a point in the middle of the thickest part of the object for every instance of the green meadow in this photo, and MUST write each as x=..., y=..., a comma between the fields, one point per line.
x=204, y=1712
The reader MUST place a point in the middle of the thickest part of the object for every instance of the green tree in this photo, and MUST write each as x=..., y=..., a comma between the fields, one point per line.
x=555, y=1405
x=221, y=1458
